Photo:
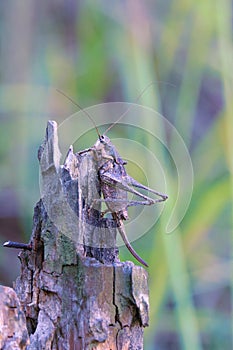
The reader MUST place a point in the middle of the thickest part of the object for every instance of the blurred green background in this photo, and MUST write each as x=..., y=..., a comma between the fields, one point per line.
x=102, y=51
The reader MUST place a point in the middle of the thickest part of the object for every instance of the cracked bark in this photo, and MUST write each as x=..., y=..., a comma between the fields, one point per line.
x=74, y=291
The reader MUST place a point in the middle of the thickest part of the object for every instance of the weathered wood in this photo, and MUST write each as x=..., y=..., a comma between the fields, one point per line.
x=13, y=331
x=74, y=291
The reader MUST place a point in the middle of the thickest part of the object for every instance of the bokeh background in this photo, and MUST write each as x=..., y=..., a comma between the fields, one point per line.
x=105, y=51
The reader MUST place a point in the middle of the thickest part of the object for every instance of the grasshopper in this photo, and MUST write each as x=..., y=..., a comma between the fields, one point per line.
x=115, y=183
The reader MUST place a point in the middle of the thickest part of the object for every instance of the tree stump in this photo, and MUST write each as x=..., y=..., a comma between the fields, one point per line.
x=74, y=291
x=13, y=331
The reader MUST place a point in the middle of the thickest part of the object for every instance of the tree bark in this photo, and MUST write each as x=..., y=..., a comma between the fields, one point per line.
x=13, y=331
x=74, y=291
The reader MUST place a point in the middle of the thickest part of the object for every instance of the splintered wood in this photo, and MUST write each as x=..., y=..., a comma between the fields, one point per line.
x=74, y=291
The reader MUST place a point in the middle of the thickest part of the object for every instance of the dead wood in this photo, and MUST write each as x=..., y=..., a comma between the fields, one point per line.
x=13, y=330
x=74, y=291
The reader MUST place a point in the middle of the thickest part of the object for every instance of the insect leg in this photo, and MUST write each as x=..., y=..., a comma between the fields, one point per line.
x=135, y=183
x=121, y=230
x=128, y=202
x=124, y=185
x=86, y=150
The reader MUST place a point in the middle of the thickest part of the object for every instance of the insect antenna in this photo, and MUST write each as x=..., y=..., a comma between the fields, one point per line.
x=83, y=110
x=139, y=96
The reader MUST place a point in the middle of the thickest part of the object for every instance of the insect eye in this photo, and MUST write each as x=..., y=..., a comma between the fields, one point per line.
x=102, y=138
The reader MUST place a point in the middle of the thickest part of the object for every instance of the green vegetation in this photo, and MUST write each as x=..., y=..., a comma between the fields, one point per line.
x=110, y=51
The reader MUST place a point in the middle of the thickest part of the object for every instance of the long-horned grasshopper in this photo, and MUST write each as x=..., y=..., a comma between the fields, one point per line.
x=115, y=183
